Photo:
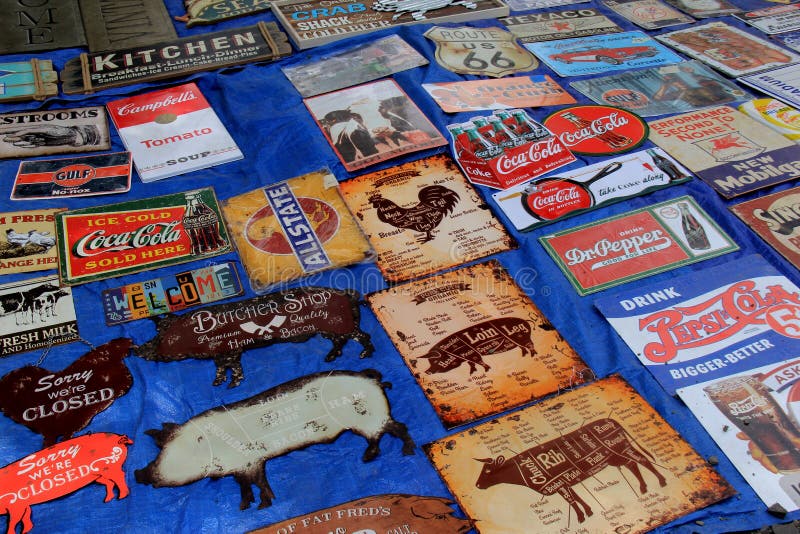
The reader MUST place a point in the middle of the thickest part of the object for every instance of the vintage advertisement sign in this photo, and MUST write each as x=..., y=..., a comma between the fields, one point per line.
x=558, y=463
x=355, y=65
x=527, y=5
x=118, y=24
x=702, y=9
x=29, y=27
x=56, y=471
x=371, y=123
x=728, y=150
x=538, y=90
x=88, y=73
x=776, y=219
x=27, y=80
x=28, y=241
x=172, y=131
x=506, y=148
x=229, y=439
x=213, y=11
x=59, y=404
x=85, y=176
x=539, y=202
x=35, y=314
x=172, y=293
x=54, y=131
x=686, y=86
x=782, y=83
x=117, y=239
x=636, y=244
x=422, y=217
x=753, y=417
x=777, y=19
x=789, y=39
x=475, y=342
x=778, y=115
x=648, y=14
x=603, y=53
x=728, y=49
x=380, y=513
x=710, y=323
x=315, y=23
x=597, y=130
x=484, y=51
x=223, y=331
x=551, y=26
x=293, y=228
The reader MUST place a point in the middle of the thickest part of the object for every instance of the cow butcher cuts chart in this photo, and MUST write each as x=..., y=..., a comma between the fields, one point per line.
x=596, y=459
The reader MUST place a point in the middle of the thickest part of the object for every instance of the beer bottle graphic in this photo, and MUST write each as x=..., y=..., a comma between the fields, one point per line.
x=202, y=225
x=696, y=236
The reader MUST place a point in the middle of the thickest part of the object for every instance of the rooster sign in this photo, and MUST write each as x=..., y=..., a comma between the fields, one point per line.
x=435, y=201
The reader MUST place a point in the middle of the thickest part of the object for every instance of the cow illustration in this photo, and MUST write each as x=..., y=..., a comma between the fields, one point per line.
x=418, y=8
x=22, y=303
x=556, y=466
x=471, y=344
x=45, y=304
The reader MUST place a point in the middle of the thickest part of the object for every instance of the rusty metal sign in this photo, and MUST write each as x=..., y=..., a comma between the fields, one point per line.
x=484, y=51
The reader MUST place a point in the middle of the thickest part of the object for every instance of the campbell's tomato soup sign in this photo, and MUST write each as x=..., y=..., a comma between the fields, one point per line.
x=639, y=243
x=597, y=130
x=108, y=241
x=709, y=324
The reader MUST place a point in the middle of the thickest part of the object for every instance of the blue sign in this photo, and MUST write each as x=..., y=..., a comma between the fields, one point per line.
x=709, y=324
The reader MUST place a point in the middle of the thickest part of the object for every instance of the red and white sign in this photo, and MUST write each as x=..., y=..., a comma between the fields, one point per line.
x=597, y=130
x=171, y=132
x=59, y=470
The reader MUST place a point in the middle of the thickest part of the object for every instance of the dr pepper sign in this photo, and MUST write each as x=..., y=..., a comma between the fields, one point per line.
x=118, y=239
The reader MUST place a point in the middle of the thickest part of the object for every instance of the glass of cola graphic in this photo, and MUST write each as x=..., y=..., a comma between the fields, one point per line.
x=748, y=404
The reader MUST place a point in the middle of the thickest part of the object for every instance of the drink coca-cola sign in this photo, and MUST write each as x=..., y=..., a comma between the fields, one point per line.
x=597, y=130
x=107, y=241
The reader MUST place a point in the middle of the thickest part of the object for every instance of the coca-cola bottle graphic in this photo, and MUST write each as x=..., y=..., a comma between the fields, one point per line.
x=695, y=234
x=666, y=166
x=479, y=145
x=202, y=225
x=502, y=134
x=613, y=140
x=527, y=129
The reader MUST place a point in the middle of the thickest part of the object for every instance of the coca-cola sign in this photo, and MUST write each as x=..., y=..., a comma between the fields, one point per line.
x=107, y=241
x=597, y=129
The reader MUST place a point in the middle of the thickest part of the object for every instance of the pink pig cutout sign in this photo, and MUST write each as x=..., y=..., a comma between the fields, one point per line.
x=60, y=470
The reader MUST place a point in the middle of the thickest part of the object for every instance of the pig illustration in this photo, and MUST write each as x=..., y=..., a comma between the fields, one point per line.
x=237, y=439
x=60, y=470
x=471, y=344
x=222, y=332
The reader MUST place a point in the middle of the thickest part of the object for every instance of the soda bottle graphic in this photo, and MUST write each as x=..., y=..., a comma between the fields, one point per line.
x=666, y=166
x=202, y=225
x=692, y=229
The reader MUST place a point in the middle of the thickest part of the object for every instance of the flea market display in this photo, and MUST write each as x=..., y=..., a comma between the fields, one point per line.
x=399, y=266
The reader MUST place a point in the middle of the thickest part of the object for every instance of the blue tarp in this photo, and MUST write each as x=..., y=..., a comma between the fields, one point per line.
x=280, y=140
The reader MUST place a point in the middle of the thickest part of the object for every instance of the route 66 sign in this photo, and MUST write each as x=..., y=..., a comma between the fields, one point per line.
x=485, y=51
